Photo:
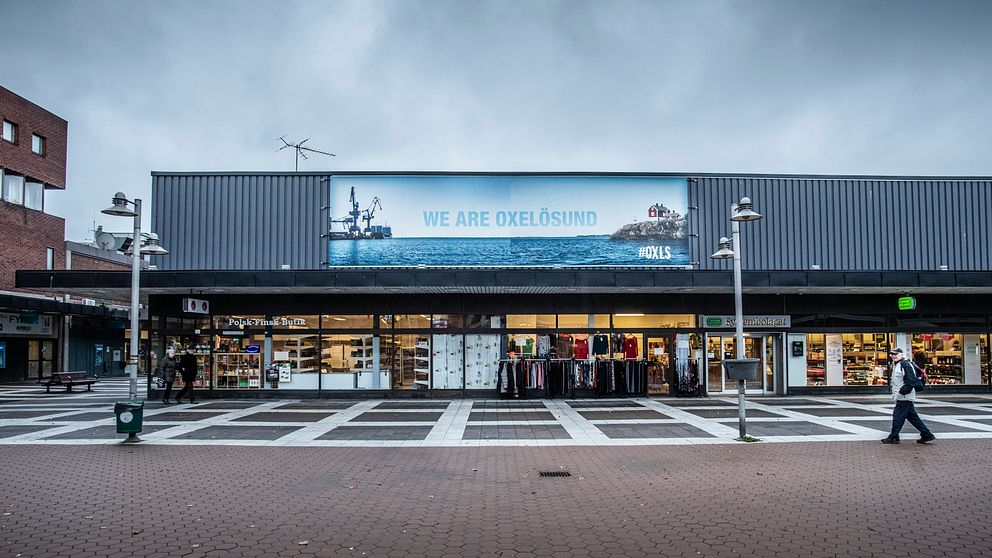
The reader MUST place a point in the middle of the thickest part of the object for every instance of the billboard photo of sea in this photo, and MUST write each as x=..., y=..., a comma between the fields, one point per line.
x=509, y=252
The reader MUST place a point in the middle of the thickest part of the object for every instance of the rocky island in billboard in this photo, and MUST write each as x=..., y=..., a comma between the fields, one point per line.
x=508, y=220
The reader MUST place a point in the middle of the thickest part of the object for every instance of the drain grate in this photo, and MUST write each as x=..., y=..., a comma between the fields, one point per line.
x=555, y=474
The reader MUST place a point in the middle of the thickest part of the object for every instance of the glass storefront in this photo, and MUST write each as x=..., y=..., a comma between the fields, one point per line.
x=942, y=355
x=465, y=351
x=861, y=359
x=417, y=351
x=723, y=346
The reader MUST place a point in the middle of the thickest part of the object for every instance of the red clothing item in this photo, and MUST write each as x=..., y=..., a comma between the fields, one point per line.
x=581, y=350
x=631, y=349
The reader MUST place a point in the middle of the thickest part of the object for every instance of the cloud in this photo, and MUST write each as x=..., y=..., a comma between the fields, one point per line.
x=778, y=87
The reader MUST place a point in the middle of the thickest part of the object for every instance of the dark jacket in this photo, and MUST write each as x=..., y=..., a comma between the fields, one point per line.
x=167, y=368
x=187, y=363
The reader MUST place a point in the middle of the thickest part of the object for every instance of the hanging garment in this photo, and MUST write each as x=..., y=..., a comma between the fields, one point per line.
x=543, y=346
x=564, y=346
x=620, y=377
x=631, y=348
x=600, y=344
x=580, y=349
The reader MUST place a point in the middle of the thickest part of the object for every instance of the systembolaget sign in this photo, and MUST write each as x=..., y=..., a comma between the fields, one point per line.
x=26, y=324
x=729, y=322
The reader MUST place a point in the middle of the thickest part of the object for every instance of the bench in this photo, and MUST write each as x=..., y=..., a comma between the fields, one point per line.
x=69, y=379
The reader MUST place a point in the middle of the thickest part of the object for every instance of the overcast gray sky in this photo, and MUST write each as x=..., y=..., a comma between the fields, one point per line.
x=852, y=87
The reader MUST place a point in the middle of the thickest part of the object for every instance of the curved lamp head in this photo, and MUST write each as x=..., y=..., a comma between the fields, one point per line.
x=152, y=246
x=119, y=209
x=744, y=211
x=725, y=251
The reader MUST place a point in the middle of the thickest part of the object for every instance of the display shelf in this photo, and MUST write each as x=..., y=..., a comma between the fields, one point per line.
x=202, y=371
x=237, y=371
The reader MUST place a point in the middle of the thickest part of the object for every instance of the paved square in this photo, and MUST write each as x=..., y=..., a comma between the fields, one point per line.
x=31, y=417
x=226, y=432
x=279, y=416
x=347, y=432
x=412, y=416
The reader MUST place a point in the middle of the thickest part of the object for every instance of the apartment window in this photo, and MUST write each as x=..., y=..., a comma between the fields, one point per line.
x=13, y=188
x=49, y=258
x=38, y=145
x=9, y=131
x=34, y=195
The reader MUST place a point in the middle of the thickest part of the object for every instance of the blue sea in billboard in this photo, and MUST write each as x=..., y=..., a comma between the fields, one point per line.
x=504, y=220
x=600, y=250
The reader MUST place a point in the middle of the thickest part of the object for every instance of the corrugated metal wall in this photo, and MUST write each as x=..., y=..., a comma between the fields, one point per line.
x=847, y=224
x=240, y=221
x=261, y=221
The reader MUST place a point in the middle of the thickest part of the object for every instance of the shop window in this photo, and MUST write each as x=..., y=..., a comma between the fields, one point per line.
x=352, y=361
x=9, y=131
x=583, y=321
x=984, y=359
x=346, y=321
x=447, y=321
x=34, y=195
x=295, y=322
x=530, y=321
x=866, y=359
x=295, y=362
x=199, y=345
x=521, y=345
x=412, y=321
x=483, y=321
x=816, y=372
x=650, y=321
x=627, y=346
x=447, y=361
x=38, y=145
x=410, y=360
x=13, y=188
x=942, y=354
x=237, y=362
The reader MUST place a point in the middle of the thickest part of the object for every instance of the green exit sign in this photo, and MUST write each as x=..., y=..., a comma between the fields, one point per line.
x=907, y=303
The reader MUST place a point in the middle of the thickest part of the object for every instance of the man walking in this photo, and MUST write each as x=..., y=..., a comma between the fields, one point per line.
x=903, y=382
x=187, y=367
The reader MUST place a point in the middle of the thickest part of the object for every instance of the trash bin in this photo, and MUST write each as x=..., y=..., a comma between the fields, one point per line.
x=742, y=368
x=129, y=414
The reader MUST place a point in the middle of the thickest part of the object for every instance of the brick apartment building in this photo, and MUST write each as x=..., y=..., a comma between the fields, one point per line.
x=40, y=333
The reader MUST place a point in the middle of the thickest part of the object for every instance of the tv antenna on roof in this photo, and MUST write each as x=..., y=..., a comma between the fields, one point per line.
x=300, y=150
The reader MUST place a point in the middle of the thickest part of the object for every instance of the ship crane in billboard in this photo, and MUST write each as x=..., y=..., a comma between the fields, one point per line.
x=352, y=221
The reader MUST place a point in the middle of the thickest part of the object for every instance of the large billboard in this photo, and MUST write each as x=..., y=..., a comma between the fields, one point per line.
x=500, y=220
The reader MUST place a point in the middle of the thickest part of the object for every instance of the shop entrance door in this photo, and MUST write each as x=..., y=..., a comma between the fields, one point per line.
x=761, y=346
x=659, y=365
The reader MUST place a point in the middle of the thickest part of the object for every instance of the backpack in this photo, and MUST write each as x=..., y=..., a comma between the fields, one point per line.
x=919, y=377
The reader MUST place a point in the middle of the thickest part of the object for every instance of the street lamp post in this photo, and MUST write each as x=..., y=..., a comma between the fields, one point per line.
x=150, y=246
x=741, y=211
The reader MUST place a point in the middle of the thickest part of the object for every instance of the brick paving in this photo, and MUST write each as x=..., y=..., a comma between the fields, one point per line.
x=751, y=500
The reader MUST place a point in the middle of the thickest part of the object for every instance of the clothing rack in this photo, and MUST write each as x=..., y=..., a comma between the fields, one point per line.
x=559, y=377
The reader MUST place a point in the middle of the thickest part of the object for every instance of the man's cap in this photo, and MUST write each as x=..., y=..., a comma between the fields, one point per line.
x=896, y=351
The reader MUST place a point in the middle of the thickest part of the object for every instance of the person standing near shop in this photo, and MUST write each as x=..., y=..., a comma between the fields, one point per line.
x=187, y=367
x=167, y=369
x=903, y=382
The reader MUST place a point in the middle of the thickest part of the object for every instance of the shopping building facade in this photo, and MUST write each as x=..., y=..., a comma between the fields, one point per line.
x=42, y=330
x=560, y=284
